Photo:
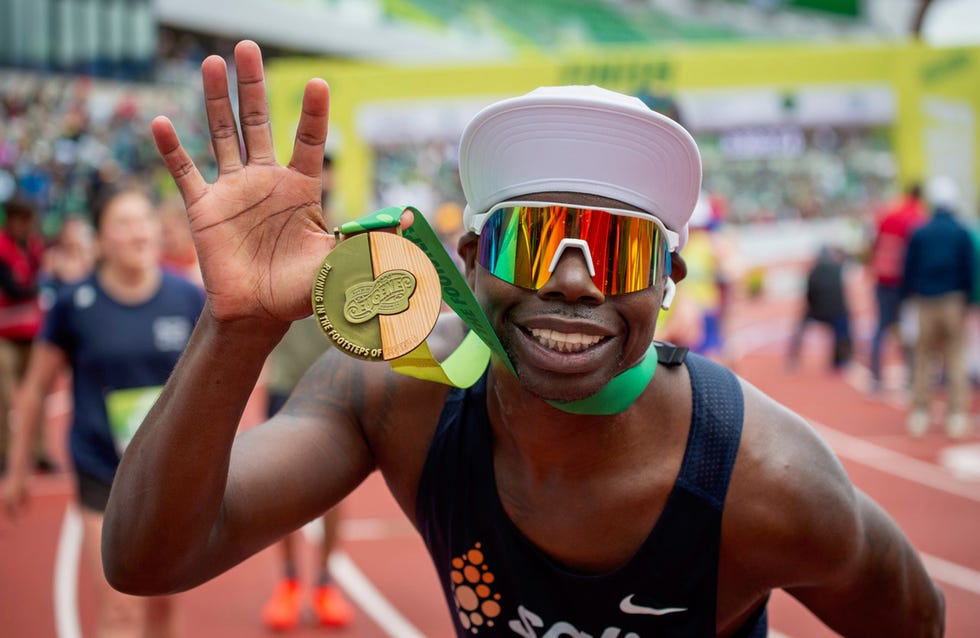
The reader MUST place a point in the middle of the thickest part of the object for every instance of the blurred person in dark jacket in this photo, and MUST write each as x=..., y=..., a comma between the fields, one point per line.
x=826, y=302
x=939, y=272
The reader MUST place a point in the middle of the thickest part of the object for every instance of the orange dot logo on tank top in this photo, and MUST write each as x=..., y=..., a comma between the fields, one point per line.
x=476, y=603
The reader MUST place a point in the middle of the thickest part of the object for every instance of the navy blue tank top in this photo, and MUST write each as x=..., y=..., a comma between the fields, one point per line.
x=497, y=583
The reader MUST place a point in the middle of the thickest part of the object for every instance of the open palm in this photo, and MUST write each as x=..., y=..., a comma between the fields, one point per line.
x=258, y=229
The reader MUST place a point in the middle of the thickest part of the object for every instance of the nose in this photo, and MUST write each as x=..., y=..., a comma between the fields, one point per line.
x=571, y=279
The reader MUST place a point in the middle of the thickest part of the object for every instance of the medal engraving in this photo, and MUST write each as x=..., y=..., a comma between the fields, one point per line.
x=376, y=296
x=386, y=295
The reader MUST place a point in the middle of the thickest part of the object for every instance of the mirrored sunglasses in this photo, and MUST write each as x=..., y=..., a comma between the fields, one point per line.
x=522, y=242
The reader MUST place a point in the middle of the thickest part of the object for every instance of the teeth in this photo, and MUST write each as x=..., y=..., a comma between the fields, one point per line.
x=564, y=341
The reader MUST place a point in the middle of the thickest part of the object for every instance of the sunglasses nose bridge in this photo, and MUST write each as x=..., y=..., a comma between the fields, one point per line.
x=570, y=279
x=582, y=245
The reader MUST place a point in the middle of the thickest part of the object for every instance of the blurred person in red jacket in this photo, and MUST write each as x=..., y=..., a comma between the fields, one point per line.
x=21, y=250
x=895, y=226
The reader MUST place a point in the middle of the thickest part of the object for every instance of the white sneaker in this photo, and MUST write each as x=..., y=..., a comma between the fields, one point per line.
x=918, y=423
x=957, y=425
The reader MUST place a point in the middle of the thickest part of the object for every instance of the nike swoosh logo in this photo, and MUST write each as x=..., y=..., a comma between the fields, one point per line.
x=627, y=606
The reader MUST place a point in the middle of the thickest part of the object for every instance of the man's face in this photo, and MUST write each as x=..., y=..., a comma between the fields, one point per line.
x=566, y=339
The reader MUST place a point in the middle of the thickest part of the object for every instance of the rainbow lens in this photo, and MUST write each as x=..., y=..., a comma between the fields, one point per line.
x=521, y=243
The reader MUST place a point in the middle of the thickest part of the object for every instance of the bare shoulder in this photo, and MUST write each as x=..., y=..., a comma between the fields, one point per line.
x=792, y=514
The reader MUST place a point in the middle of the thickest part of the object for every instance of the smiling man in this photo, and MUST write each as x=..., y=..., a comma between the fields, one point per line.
x=590, y=483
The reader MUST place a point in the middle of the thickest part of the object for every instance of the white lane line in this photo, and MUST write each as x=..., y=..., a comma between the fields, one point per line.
x=353, y=581
x=893, y=383
x=962, y=460
x=952, y=573
x=896, y=463
x=375, y=529
x=65, y=586
x=368, y=598
x=362, y=529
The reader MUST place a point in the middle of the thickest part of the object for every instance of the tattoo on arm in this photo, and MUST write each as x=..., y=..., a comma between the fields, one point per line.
x=331, y=384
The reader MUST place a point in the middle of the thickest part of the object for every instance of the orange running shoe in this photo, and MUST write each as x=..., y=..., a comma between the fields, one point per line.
x=281, y=612
x=331, y=608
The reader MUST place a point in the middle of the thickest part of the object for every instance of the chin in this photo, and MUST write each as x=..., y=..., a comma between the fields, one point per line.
x=551, y=386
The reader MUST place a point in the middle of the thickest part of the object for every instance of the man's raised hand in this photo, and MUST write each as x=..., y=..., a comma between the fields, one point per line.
x=258, y=229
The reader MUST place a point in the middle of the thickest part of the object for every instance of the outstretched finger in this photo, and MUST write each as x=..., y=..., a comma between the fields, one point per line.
x=311, y=132
x=221, y=117
x=253, y=107
x=188, y=179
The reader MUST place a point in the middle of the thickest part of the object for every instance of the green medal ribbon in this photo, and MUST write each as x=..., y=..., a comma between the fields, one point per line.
x=467, y=363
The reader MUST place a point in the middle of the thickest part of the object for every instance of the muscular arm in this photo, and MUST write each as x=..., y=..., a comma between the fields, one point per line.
x=191, y=500
x=794, y=521
x=883, y=589
x=162, y=530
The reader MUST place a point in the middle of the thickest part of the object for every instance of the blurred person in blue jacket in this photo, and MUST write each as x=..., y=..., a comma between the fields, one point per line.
x=939, y=273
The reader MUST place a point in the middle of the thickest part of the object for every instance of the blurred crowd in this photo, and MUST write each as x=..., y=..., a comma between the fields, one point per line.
x=66, y=139
x=96, y=260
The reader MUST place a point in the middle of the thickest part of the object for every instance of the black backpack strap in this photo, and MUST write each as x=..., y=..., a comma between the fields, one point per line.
x=669, y=354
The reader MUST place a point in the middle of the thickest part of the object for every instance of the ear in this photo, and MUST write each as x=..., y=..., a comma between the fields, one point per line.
x=678, y=267
x=467, y=248
x=670, y=289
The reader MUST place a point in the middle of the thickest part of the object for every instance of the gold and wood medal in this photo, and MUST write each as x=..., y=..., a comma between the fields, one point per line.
x=376, y=296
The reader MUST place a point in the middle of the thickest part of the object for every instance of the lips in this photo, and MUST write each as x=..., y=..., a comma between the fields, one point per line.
x=564, y=341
